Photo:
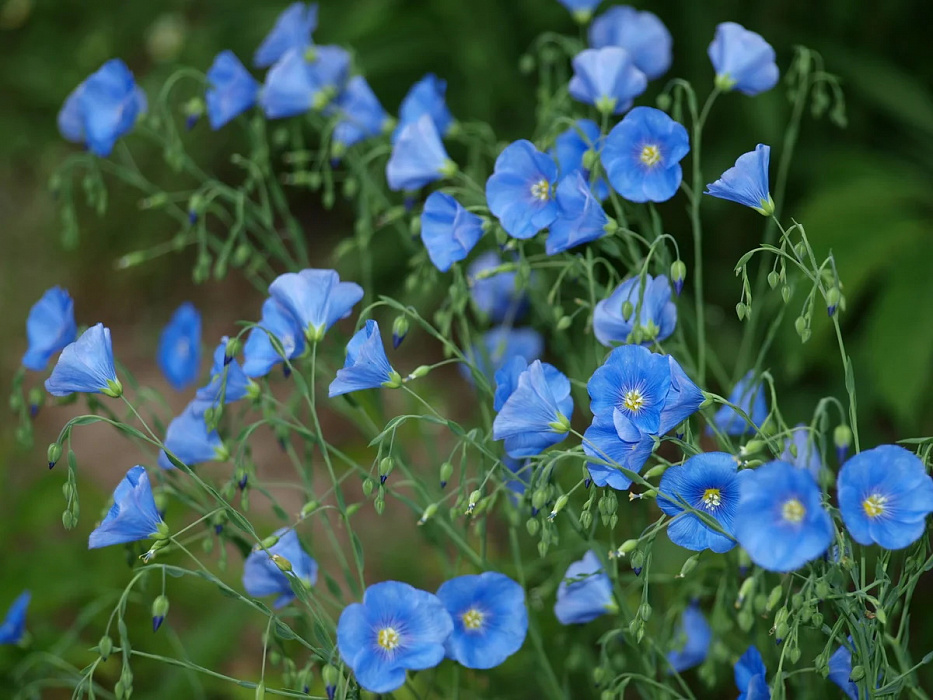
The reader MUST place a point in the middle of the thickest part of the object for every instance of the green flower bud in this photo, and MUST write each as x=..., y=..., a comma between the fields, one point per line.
x=627, y=310
x=428, y=514
x=284, y=564
x=55, y=453
x=741, y=310
x=564, y=323
x=678, y=275
x=270, y=541
x=774, y=597
x=379, y=503
x=447, y=470
x=159, y=611
x=558, y=506
x=857, y=674
x=386, y=465
x=533, y=526
x=774, y=279
x=105, y=646
x=586, y=519
x=309, y=508
x=330, y=676
x=644, y=611
x=688, y=566
x=785, y=293
x=400, y=328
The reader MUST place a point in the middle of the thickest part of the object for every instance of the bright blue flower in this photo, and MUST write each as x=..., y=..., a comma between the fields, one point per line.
x=425, y=97
x=232, y=89
x=299, y=82
x=580, y=218
x=885, y=495
x=696, y=633
x=13, y=626
x=780, y=520
x=585, y=592
x=642, y=155
x=611, y=328
x=808, y=454
x=581, y=10
x=642, y=34
x=751, y=676
x=707, y=482
x=749, y=396
x=743, y=60
x=189, y=439
x=683, y=399
x=537, y=414
x=361, y=114
x=490, y=618
x=448, y=230
x=746, y=182
x=520, y=192
x=636, y=382
x=500, y=344
x=606, y=78
x=50, y=326
x=228, y=382
x=614, y=438
x=263, y=577
x=570, y=147
x=260, y=356
x=102, y=108
x=132, y=517
x=86, y=365
x=418, y=157
x=292, y=30
x=396, y=627
x=496, y=296
x=316, y=298
x=840, y=668
x=366, y=366
x=179, y=353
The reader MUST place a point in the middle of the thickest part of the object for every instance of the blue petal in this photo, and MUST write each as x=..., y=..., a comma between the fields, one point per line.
x=14, y=623
x=746, y=182
x=540, y=399
x=509, y=190
x=496, y=296
x=500, y=344
x=642, y=34
x=50, y=326
x=232, y=89
x=361, y=114
x=189, y=440
x=132, y=517
x=744, y=58
x=316, y=298
x=179, y=352
x=606, y=73
x=749, y=396
x=85, y=365
x=448, y=231
x=292, y=30
x=629, y=450
x=581, y=218
x=109, y=104
x=262, y=577
x=584, y=593
x=367, y=366
x=698, y=636
x=289, y=87
x=427, y=96
x=418, y=156
x=636, y=369
x=260, y=355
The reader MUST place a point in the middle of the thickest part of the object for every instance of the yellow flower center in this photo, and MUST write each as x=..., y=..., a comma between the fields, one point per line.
x=793, y=511
x=541, y=190
x=388, y=638
x=874, y=505
x=472, y=619
x=633, y=400
x=712, y=499
x=650, y=155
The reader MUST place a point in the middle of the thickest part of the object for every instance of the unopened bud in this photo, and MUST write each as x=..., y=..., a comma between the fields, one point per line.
x=774, y=279
x=105, y=646
x=627, y=310
x=532, y=525
x=282, y=563
x=309, y=508
x=637, y=561
x=400, y=329
x=688, y=566
x=774, y=597
x=558, y=506
x=386, y=464
x=55, y=453
x=159, y=611
x=447, y=470
x=741, y=310
x=270, y=541
x=368, y=485
x=428, y=513
x=832, y=300
x=678, y=275
x=842, y=438
x=745, y=590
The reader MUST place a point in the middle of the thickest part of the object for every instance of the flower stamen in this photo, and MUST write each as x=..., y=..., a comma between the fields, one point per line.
x=388, y=638
x=793, y=510
x=633, y=400
x=541, y=190
x=874, y=505
x=650, y=155
x=472, y=619
x=712, y=499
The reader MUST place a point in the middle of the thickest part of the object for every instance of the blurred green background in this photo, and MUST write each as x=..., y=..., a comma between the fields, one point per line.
x=865, y=192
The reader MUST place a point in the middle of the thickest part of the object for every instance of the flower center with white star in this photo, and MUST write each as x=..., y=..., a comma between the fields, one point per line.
x=633, y=400
x=541, y=190
x=650, y=155
x=712, y=499
x=388, y=638
x=793, y=510
x=874, y=505
x=472, y=619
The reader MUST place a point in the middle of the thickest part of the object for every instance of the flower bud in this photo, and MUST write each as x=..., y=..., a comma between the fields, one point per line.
x=105, y=646
x=774, y=279
x=309, y=508
x=564, y=323
x=656, y=470
x=379, y=503
x=741, y=310
x=832, y=300
x=270, y=541
x=802, y=326
x=400, y=329
x=678, y=274
x=644, y=611
x=637, y=561
x=159, y=611
x=428, y=513
x=261, y=691
x=474, y=499
x=385, y=468
x=627, y=310
x=842, y=438
x=447, y=470
x=586, y=519
x=368, y=485
x=748, y=585
x=55, y=453
x=558, y=507
x=688, y=566
x=774, y=597
x=284, y=564
x=331, y=676
x=532, y=525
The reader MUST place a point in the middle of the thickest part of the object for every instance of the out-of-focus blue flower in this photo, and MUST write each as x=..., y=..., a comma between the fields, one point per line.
x=642, y=34
x=228, y=382
x=418, y=157
x=746, y=182
x=497, y=296
x=582, y=10
x=498, y=345
x=642, y=155
x=751, y=676
x=840, y=668
x=102, y=108
x=316, y=298
x=448, y=230
x=580, y=217
x=86, y=365
x=537, y=414
x=50, y=326
x=707, y=482
x=489, y=616
x=396, y=627
x=683, y=399
x=652, y=310
x=232, y=89
x=636, y=382
x=780, y=520
x=570, y=147
x=522, y=470
x=749, y=396
x=427, y=96
x=189, y=439
x=507, y=380
x=366, y=366
x=292, y=30
x=807, y=454
x=179, y=353
x=301, y=81
x=696, y=633
x=259, y=354
x=607, y=79
x=361, y=114
x=585, y=592
x=612, y=437
x=132, y=517
x=885, y=495
x=262, y=576
x=13, y=626
x=742, y=59
x=520, y=192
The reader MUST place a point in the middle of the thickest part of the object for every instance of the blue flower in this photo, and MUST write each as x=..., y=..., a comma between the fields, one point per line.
x=780, y=520
x=292, y=30
x=102, y=108
x=657, y=312
x=606, y=78
x=425, y=97
x=840, y=668
x=496, y=296
x=747, y=181
x=299, y=82
x=13, y=626
x=189, y=439
x=259, y=354
x=585, y=592
x=507, y=380
x=396, y=627
x=581, y=9
x=361, y=114
x=683, y=399
x=179, y=353
x=50, y=326
x=570, y=147
x=885, y=495
x=749, y=396
x=448, y=230
x=807, y=454
x=489, y=616
x=418, y=157
x=642, y=34
x=743, y=60
x=366, y=366
x=262, y=576
x=232, y=89
x=133, y=516
x=614, y=438
x=316, y=298
x=751, y=676
x=520, y=190
x=228, y=382
x=642, y=155
x=707, y=482
x=696, y=633
x=86, y=365
x=636, y=382
x=498, y=345
x=537, y=414
x=580, y=218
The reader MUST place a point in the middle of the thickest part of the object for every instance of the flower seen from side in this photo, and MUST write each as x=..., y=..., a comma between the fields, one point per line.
x=520, y=192
x=13, y=627
x=751, y=676
x=742, y=59
x=585, y=592
x=50, y=326
x=232, y=90
x=427, y=96
x=537, y=413
x=606, y=78
x=133, y=516
x=651, y=310
x=694, y=636
x=304, y=80
x=264, y=569
x=418, y=157
x=317, y=299
x=86, y=366
x=749, y=396
x=228, y=382
x=840, y=668
x=361, y=115
x=448, y=231
x=259, y=353
x=801, y=451
x=179, y=351
x=190, y=440
x=682, y=401
x=642, y=34
x=366, y=366
x=747, y=181
x=580, y=217
x=292, y=30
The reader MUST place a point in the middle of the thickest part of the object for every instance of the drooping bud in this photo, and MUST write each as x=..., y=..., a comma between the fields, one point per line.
x=688, y=566
x=270, y=542
x=774, y=279
x=399, y=330
x=159, y=611
x=284, y=564
x=678, y=275
x=832, y=300
x=105, y=646
x=842, y=438
x=774, y=597
x=627, y=310
x=368, y=486
x=309, y=508
x=447, y=470
x=637, y=561
x=330, y=676
x=474, y=499
x=55, y=453
x=558, y=506
x=385, y=468
x=428, y=514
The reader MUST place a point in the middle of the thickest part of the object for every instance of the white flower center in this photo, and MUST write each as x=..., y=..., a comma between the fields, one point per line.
x=712, y=499
x=633, y=400
x=541, y=190
x=650, y=155
x=472, y=619
x=874, y=505
x=793, y=510
x=388, y=638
